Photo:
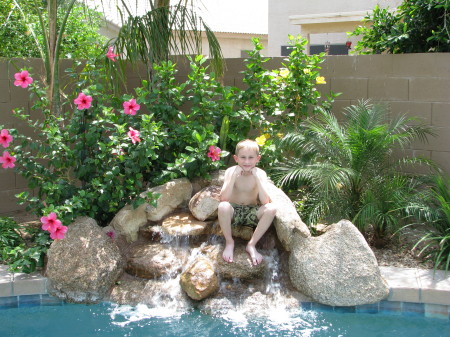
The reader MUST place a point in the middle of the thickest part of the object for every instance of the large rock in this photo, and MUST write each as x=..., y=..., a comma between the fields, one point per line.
x=203, y=205
x=128, y=221
x=84, y=265
x=155, y=260
x=241, y=267
x=175, y=193
x=199, y=280
x=337, y=268
x=216, y=178
x=183, y=224
x=287, y=219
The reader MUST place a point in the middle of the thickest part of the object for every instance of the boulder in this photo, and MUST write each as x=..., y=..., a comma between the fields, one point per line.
x=183, y=224
x=287, y=219
x=337, y=268
x=154, y=260
x=128, y=221
x=83, y=266
x=216, y=178
x=199, y=280
x=241, y=267
x=174, y=194
x=203, y=205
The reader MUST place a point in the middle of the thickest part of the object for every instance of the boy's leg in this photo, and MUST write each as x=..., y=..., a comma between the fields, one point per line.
x=225, y=214
x=265, y=214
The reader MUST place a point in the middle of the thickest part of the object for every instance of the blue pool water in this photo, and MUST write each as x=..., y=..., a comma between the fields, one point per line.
x=112, y=320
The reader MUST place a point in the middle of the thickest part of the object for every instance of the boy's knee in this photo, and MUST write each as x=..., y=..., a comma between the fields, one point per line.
x=224, y=207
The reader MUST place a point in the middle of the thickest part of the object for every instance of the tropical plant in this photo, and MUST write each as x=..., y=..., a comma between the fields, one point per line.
x=432, y=207
x=20, y=254
x=22, y=36
x=417, y=26
x=348, y=168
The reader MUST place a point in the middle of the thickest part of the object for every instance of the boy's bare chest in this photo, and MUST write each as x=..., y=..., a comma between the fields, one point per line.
x=246, y=184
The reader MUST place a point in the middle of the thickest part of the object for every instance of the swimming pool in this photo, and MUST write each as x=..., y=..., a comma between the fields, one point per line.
x=108, y=319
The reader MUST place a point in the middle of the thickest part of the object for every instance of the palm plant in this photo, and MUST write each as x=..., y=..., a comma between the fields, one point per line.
x=348, y=167
x=433, y=207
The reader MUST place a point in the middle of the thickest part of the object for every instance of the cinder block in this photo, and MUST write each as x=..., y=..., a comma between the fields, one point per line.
x=429, y=89
x=4, y=91
x=420, y=110
x=442, y=158
x=351, y=88
x=359, y=66
x=440, y=114
x=388, y=89
x=9, y=201
x=421, y=65
x=7, y=176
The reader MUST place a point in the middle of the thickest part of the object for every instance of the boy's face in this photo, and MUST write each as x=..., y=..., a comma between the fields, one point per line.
x=247, y=159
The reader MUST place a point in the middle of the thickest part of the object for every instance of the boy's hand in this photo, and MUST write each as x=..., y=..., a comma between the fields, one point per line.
x=256, y=172
x=238, y=171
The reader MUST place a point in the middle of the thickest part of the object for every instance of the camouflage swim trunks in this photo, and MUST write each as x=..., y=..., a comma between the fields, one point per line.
x=245, y=215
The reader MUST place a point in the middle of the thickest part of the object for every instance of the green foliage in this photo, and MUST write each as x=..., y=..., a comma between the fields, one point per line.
x=432, y=206
x=418, y=26
x=20, y=255
x=81, y=38
x=83, y=162
x=348, y=169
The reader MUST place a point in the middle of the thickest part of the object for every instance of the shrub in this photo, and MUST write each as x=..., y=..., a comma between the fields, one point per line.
x=347, y=168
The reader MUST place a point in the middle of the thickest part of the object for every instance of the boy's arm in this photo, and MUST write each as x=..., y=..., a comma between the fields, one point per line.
x=262, y=181
x=228, y=183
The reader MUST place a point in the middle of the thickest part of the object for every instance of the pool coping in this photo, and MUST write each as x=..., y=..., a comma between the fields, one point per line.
x=414, y=291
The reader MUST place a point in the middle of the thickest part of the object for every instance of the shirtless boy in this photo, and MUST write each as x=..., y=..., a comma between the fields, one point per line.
x=245, y=200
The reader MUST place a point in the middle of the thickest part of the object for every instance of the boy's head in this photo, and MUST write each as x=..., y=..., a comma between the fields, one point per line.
x=247, y=144
x=247, y=154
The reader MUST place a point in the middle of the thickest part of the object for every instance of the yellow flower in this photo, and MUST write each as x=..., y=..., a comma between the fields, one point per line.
x=280, y=135
x=320, y=80
x=306, y=70
x=284, y=72
x=266, y=135
x=261, y=140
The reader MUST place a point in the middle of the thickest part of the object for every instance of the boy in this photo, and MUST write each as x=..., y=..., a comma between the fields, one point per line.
x=244, y=185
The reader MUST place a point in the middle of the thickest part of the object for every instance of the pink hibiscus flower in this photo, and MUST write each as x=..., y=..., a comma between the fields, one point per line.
x=58, y=233
x=7, y=160
x=83, y=101
x=131, y=107
x=134, y=135
x=110, y=54
x=22, y=79
x=214, y=153
x=5, y=138
x=50, y=222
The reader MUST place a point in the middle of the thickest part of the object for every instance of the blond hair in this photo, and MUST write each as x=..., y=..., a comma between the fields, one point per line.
x=247, y=144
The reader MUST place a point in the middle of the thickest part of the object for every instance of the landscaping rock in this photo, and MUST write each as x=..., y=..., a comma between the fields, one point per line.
x=154, y=260
x=128, y=221
x=175, y=193
x=203, y=205
x=337, y=268
x=216, y=178
x=83, y=266
x=287, y=219
x=183, y=224
x=199, y=280
x=241, y=267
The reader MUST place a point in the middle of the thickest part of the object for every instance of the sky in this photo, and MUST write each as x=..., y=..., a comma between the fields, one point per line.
x=236, y=16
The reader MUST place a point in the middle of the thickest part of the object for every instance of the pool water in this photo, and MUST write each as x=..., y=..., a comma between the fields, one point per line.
x=112, y=320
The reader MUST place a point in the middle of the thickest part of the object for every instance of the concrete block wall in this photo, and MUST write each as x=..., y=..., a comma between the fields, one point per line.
x=415, y=84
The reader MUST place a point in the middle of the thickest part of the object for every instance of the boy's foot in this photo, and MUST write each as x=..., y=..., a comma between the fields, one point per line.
x=254, y=255
x=228, y=252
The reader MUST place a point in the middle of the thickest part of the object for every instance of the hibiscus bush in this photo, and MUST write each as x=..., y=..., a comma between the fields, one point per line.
x=105, y=148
